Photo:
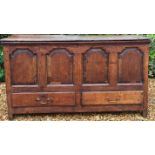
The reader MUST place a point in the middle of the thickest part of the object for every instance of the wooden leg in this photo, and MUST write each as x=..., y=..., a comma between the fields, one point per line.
x=144, y=113
x=10, y=116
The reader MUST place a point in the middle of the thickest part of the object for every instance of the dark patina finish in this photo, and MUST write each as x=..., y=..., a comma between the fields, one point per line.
x=70, y=73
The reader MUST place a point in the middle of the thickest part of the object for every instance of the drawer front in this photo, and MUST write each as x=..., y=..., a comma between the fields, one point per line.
x=43, y=99
x=111, y=97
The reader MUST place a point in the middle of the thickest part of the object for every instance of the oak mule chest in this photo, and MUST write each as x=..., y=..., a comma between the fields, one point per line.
x=71, y=73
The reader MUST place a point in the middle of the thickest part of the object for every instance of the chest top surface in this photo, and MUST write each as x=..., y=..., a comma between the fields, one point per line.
x=13, y=39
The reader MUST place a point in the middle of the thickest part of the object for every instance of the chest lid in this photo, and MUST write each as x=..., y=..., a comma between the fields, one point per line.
x=43, y=38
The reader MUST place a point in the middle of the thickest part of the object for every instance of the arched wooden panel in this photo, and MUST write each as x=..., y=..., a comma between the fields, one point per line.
x=130, y=66
x=23, y=67
x=59, y=67
x=95, y=66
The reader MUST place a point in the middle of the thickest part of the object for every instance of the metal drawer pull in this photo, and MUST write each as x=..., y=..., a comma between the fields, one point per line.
x=49, y=100
x=38, y=99
x=113, y=100
x=44, y=100
x=41, y=100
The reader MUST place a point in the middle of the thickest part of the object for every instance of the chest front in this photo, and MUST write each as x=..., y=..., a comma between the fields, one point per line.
x=76, y=77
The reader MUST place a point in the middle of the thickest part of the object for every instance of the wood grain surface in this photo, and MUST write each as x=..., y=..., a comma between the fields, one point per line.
x=76, y=74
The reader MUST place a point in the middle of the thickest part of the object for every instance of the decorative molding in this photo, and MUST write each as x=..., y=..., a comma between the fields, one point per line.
x=86, y=56
x=67, y=54
x=125, y=53
x=32, y=55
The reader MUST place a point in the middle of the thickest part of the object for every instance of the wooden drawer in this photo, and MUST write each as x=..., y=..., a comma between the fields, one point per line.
x=112, y=97
x=43, y=99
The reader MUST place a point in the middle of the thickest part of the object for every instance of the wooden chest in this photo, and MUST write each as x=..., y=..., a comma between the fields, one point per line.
x=70, y=73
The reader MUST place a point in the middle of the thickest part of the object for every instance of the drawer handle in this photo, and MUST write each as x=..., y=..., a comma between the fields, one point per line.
x=44, y=100
x=38, y=99
x=41, y=100
x=113, y=100
x=49, y=100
